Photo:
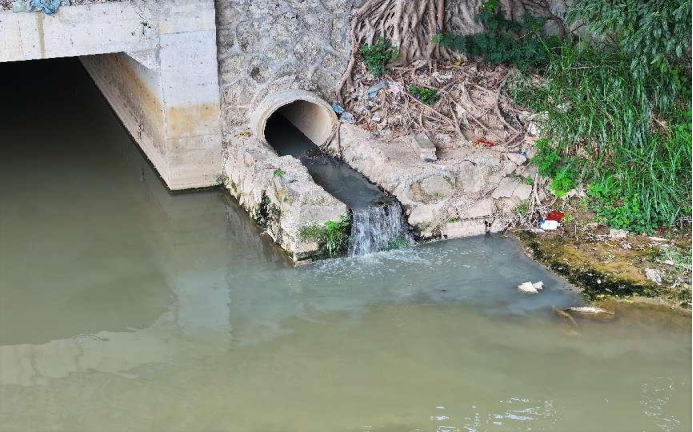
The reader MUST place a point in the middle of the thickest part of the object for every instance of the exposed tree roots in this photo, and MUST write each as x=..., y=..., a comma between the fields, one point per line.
x=411, y=24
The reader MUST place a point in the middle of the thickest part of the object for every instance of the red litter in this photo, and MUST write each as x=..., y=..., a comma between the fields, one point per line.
x=555, y=215
x=484, y=142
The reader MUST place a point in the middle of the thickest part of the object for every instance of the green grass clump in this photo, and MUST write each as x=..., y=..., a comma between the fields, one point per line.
x=550, y=164
x=428, y=96
x=333, y=235
x=279, y=173
x=378, y=55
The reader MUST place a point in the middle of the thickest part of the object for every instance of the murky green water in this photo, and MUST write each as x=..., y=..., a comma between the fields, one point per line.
x=126, y=308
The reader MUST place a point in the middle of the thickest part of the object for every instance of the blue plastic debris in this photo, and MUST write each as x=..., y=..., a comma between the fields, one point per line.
x=337, y=108
x=372, y=92
x=344, y=116
x=347, y=117
x=49, y=7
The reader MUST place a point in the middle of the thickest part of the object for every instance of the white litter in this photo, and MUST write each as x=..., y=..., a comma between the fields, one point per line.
x=531, y=288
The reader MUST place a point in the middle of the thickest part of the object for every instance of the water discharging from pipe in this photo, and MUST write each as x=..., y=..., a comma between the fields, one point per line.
x=377, y=221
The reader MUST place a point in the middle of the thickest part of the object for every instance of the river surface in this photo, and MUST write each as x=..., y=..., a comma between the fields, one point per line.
x=127, y=308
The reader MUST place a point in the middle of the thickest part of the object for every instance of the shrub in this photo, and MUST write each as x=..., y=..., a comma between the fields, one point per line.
x=426, y=95
x=523, y=45
x=377, y=56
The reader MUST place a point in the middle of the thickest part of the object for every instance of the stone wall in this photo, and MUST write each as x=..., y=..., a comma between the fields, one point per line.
x=266, y=46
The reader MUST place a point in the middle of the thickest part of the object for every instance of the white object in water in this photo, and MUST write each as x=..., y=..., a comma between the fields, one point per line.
x=531, y=288
x=549, y=225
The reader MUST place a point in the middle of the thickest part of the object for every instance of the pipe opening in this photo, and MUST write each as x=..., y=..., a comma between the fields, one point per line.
x=295, y=130
x=298, y=128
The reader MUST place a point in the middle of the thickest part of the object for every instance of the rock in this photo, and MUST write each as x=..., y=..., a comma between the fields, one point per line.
x=471, y=178
x=523, y=192
x=505, y=189
x=427, y=151
x=590, y=312
x=517, y=158
x=654, y=275
x=433, y=188
x=483, y=208
x=422, y=215
x=530, y=288
x=618, y=234
x=465, y=228
x=533, y=129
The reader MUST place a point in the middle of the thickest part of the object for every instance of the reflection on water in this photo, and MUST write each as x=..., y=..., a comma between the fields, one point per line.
x=126, y=308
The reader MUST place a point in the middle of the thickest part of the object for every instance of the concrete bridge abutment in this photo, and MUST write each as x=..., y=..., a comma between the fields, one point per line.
x=156, y=64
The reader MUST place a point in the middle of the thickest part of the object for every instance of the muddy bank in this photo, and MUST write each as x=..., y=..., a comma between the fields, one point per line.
x=609, y=270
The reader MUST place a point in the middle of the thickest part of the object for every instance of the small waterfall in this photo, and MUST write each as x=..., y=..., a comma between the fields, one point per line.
x=376, y=228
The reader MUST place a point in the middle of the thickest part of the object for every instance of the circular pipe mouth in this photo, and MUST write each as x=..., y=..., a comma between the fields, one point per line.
x=305, y=110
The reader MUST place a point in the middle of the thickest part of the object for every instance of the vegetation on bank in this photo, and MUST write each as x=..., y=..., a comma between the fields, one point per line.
x=332, y=237
x=615, y=102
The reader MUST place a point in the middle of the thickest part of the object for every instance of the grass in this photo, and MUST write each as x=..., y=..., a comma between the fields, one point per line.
x=618, y=105
x=602, y=130
x=333, y=236
x=279, y=173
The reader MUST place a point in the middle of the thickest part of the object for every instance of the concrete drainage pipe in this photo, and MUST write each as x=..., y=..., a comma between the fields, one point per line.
x=308, y=112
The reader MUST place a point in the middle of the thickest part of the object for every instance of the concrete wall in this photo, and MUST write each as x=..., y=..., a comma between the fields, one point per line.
x=156, y=64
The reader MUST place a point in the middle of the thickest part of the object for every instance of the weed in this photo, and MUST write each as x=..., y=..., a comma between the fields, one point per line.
x=377, y=56
x=568, y=218
x=279, y=173
x=523, y=208
x=454, y=219
x=564, y=181
x=529, y=181
x=428, y=96
x=550, y=164
x=333, y=235
x=680, y=259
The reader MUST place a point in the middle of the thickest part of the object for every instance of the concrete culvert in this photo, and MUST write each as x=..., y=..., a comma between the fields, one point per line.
x=304, y=110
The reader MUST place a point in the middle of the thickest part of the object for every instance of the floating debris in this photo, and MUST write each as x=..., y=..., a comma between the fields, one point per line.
x=591, y=312
x=531, y=288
